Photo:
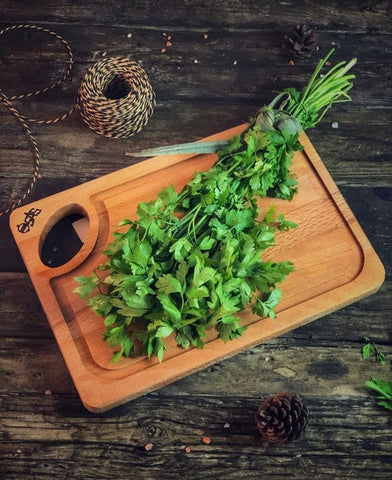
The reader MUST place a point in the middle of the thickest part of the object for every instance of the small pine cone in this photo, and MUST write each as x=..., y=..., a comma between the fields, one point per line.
x=282, y=418
x=301, y=42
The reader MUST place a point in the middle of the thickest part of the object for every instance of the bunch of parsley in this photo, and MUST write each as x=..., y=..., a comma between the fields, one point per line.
x=193, y=259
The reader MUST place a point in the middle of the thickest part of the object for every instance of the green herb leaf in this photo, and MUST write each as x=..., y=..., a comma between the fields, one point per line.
x=110, y=319
x=164, y=331
x=371, y=348
x=207, y=243
x=88, y=284
x=169, y=307
x=168, y=284
x=382, y=390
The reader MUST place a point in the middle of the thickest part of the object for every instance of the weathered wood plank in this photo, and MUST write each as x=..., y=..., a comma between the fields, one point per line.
x=366, y=16
x=21, y=313
x=340, y=430
x=231, y=66
x=71, y=157
x=157, y=419
x=91, y=463
x=173, y=122
x=71, y=151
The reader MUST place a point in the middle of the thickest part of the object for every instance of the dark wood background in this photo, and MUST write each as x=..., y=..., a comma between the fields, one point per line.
x=204, y=84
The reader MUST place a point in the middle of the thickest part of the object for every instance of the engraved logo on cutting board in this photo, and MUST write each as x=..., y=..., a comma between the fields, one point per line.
x=29, y=220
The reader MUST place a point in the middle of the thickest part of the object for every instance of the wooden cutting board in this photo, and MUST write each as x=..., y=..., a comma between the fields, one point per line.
x=335, y=266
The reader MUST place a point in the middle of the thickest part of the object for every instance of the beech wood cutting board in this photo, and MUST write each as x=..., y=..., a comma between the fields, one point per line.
x=335, y=266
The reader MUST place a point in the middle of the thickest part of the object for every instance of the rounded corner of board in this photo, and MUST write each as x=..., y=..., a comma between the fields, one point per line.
x=96, y=409
x=374, y=271
x=94, y=403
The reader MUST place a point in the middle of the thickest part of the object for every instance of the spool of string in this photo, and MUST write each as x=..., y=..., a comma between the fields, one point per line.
x=115, y=99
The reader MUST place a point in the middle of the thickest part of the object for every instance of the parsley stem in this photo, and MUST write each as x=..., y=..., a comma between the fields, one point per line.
x=319, y=95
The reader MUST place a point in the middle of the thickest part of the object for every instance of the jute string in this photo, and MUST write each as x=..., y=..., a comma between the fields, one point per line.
x=115, y=99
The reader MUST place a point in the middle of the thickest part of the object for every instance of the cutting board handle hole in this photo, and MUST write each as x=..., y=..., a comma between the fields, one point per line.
x=63, y=236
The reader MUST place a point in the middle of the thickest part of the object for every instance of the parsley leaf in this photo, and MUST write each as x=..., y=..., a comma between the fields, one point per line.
x=382, y=391
x=87, y=285
x=371, y=348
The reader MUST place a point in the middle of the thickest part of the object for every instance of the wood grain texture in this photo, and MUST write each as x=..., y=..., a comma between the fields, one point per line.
x=349, y=435
x=362, y=16
x=76, y=452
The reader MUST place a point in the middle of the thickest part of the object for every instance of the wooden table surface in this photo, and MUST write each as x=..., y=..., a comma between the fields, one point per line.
x=225, y=62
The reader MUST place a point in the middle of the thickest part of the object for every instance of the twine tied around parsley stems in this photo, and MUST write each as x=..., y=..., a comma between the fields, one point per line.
x=115, y=99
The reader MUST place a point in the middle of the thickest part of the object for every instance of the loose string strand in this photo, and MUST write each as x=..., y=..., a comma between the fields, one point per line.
x=37, y=157
x=57, y=83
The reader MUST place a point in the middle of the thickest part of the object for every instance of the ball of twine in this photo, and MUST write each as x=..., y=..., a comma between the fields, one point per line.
x=115, y=97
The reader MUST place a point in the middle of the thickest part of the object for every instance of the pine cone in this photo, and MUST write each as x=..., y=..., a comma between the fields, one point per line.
x=282, y=418
x=301, y=42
